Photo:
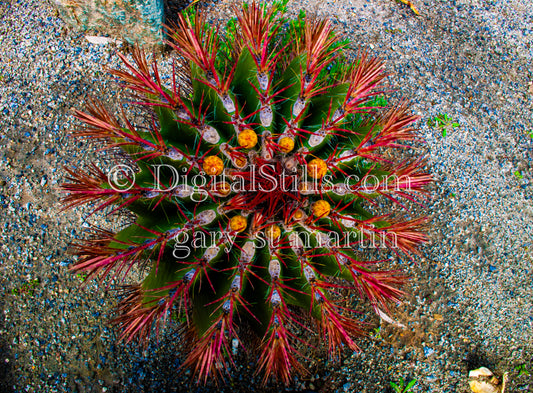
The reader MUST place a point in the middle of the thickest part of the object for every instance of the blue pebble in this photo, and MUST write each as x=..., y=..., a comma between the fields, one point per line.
x=428, y=351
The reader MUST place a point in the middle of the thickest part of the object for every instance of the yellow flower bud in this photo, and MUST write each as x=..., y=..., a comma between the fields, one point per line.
x=238, y=223
x=247, y=138
x=273, y=232
x=321, y=209
x=286, y=144
x=317, y=168
x=213, y=165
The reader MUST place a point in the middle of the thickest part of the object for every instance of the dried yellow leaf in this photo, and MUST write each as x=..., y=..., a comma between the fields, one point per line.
x=411, y=5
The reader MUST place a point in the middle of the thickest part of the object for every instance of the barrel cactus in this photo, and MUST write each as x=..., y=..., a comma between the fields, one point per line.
x=258, y=184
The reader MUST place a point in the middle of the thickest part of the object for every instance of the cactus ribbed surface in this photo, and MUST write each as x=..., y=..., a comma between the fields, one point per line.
x=268, y=170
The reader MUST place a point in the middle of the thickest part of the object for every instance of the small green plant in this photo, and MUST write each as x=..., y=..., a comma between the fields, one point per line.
x=27, y=288
x=402, y=387
x=82, y=276
x=522, y=370
x=531, y=134
x=443, y=122
x=518, y=175
x=378, y=101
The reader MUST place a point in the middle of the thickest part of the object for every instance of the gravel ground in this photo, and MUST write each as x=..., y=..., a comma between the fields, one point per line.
x=471, y=301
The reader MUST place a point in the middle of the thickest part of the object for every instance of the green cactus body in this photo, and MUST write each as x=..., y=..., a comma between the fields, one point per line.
x=266, y=173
